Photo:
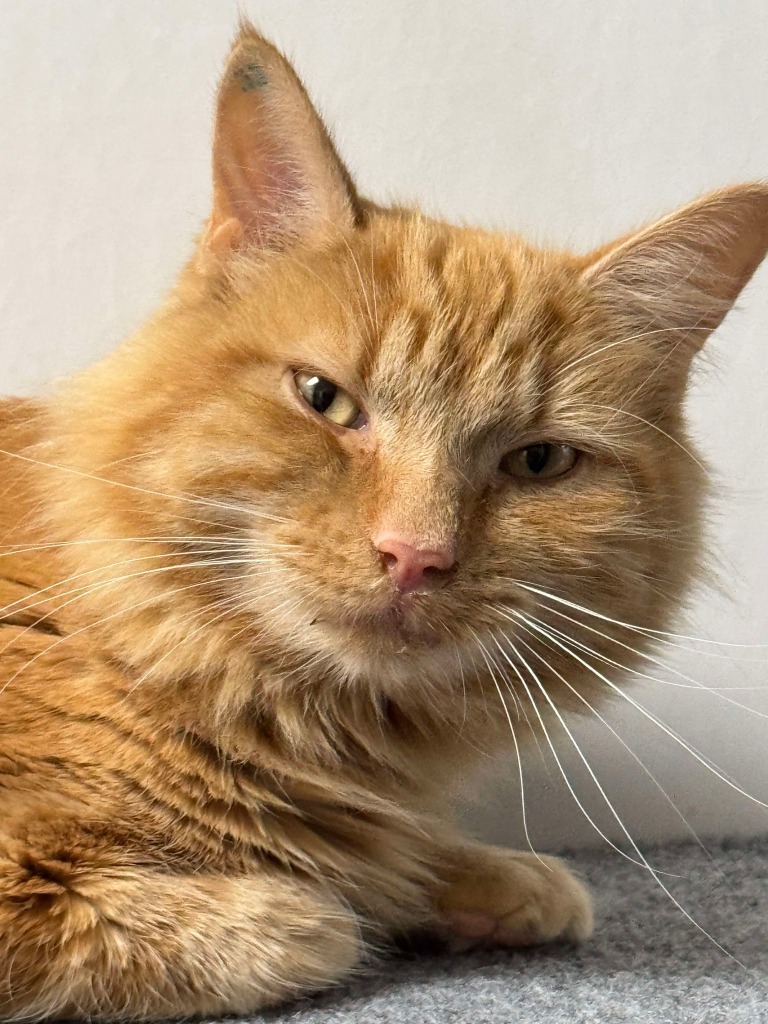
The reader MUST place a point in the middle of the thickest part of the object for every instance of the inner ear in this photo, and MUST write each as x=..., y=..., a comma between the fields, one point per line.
x=277, y=178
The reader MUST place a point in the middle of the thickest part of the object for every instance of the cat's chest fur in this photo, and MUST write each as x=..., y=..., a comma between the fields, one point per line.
x=94, y=767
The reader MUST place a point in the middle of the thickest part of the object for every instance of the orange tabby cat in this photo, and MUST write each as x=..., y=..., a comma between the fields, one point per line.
x=282, y=567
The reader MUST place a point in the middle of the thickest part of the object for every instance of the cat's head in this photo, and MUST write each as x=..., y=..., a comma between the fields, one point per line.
x=368, y=440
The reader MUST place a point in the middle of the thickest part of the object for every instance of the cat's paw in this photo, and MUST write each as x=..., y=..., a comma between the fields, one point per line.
x=513, y=899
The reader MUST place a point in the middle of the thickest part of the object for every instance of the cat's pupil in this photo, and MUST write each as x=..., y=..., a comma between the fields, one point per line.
x=537, y=456
x=322, y=392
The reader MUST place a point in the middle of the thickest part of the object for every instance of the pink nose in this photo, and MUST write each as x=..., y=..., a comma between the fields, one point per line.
x=413, y=568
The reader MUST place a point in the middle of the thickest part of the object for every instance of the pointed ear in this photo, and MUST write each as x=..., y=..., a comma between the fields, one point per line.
x=276, y=176
x=677, y=279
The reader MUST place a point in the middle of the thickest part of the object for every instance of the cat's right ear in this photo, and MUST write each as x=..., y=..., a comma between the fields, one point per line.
x=277, y=179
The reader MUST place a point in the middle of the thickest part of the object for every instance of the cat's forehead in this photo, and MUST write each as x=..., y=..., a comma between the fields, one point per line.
x=468, y=322
x=426, y=323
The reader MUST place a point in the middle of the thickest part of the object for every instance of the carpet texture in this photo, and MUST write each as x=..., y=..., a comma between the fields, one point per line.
x=646, y=962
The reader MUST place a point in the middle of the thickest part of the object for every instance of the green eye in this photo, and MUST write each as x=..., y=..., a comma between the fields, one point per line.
x=329, y=400
x=540, y=461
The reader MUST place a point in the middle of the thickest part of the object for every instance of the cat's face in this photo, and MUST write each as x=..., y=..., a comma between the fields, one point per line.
x=467, y=405
x=397, y=428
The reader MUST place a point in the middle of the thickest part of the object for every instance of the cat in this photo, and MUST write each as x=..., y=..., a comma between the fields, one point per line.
x=300, y=554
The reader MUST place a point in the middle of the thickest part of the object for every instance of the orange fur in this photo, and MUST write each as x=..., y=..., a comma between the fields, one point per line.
x=224, y=765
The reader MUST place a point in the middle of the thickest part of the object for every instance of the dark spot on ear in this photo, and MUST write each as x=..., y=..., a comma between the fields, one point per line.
x=251, y=76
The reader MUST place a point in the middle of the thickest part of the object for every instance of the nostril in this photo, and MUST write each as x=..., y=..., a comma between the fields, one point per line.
x=436, y=572
x=388, y=560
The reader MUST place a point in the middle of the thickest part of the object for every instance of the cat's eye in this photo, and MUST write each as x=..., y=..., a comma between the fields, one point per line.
x=540, y=461
x=329, y=400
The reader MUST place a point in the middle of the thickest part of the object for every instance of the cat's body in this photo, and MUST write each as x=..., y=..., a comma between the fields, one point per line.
x=253, y=626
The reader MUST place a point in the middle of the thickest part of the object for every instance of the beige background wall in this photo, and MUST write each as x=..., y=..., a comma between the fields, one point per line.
x=568, y=121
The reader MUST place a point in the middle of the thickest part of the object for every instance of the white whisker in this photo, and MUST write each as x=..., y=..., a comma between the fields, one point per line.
x=564, y=774
x=114, y=615
x=204, y=502
x=655, y=873
x=644, y=630
x=661, y=725
x=484, y=653
x=621, y=740
x=692, y=684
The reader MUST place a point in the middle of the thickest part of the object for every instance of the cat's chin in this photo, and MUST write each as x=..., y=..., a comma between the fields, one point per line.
x=399, y=625
x=386, y=646
x=390, y=658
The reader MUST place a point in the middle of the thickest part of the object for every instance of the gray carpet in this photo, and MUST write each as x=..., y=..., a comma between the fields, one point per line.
x=646, y=963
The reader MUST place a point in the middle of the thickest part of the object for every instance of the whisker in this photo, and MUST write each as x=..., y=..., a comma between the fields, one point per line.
x=487, y=655
x=653, y=426
x=624, y=341
x=516, y=670
x=661, y=725
x=9, y=550
x=692, y=684
x=232, y=606
x=373, y=287
x=564, y=774
x=695, y=684
x=644, y=630
x=83, y=592
x=204, y=502
x=655, y=873
x=526, y=832
x=668, y=355
x=621, y=740
x=29, y=600
x=359, y=272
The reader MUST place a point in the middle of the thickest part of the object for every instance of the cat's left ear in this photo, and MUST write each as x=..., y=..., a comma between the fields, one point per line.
x=277, y=179
x=675, y=280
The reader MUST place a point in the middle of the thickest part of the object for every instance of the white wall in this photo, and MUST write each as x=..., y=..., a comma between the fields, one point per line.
x=570, y=121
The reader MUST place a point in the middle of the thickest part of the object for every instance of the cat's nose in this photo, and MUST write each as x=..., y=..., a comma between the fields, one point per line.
x=411, y=567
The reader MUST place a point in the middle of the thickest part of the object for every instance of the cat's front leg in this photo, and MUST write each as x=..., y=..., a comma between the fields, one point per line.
x=87, y=934
x=493, y=896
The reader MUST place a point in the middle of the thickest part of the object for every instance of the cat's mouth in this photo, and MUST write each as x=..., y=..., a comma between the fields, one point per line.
x=404, y=622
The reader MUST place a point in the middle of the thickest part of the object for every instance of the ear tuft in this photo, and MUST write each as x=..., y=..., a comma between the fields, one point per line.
x=277, y=178
x=683, y=273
